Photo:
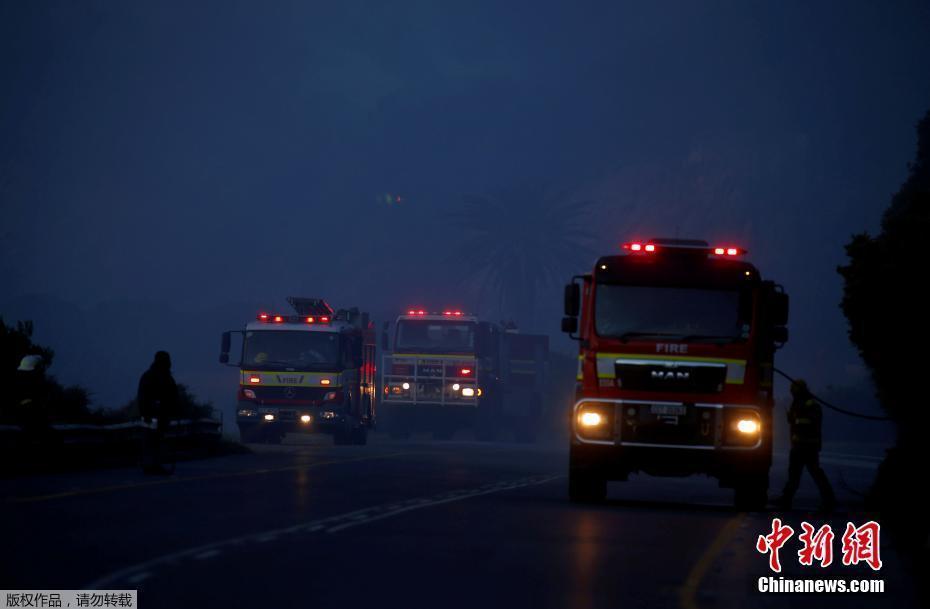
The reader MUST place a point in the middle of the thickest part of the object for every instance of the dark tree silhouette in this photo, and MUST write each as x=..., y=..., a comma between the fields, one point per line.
x=887, y=314
x=519, y=245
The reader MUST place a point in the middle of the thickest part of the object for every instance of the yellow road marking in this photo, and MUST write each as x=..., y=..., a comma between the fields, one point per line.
x=173, y=480
x=687, y=596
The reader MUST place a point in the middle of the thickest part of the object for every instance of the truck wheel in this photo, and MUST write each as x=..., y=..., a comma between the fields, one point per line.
x=584, y=487
x=398, y=426
x=751, y=495
x=359, y=436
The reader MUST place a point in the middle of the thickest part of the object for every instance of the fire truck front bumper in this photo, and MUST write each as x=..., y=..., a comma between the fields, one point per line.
x=324, y=418
x=613, y=438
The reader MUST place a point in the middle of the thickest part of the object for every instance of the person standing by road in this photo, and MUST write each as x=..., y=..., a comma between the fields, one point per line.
x=805, y=419
x=158, y=400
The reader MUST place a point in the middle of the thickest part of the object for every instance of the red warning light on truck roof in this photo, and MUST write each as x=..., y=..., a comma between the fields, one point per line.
x=636, y=246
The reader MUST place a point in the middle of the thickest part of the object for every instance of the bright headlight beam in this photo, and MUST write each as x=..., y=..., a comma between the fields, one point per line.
x=747, y=426
x=591, y=419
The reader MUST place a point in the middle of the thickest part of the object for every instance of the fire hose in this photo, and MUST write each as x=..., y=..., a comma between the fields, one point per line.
x=849, y=413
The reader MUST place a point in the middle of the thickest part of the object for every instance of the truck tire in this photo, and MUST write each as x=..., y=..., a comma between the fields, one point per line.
x=751, y=494
x=586, y=487
x=398, y=425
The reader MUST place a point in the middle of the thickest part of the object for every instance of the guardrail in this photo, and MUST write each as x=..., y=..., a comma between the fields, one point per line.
x=85, y=433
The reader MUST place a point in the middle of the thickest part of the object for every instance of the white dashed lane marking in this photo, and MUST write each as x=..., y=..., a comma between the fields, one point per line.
x=332, y=524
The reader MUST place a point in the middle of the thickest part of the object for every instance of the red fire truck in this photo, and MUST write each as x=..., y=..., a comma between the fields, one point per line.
x=449, y=370
x=308, y=372
x=677, y=340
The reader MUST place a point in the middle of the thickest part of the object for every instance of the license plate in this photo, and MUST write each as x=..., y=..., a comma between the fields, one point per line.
x=668, y=409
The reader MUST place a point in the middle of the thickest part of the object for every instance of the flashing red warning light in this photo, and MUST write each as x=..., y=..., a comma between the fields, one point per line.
x=640, y=247
x=324, y=319
x=310, y=320
x=728, y=251
x=263, y=317
x=278, y=319
x=255, y=379
x=465, y=371
x=452, y=313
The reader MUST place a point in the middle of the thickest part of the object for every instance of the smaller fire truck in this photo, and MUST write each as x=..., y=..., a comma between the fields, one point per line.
x=677, y=341
x=448, y=370
x=312, y=371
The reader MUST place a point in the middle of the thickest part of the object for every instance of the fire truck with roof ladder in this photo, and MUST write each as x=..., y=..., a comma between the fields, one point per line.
x=449, y=370
x=677, y=342
x=308, y=372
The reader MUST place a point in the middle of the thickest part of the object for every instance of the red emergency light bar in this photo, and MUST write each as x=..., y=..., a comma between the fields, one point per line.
x=422, y=312
x=280, y=319
x=728, y=251
x=636, y=246
x=681, y=245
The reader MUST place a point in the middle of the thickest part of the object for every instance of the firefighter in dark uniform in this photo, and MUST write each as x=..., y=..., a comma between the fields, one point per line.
x=805, y=419
x=158, y=399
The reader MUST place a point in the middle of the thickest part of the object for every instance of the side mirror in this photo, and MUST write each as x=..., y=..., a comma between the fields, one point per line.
x=224, y=347
x=779, y=335
x=570, y=325
x=572, y=300
x=779, y=309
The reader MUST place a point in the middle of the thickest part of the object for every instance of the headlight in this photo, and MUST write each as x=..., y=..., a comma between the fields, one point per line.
x=269, y=417
x=305, y=418
x=247, y=412
x=594, y=421
x=590, y=419
x=405, y=386
x=468, y=392
x=742, y=427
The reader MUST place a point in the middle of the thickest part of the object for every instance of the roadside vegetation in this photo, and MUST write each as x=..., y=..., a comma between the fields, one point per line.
x=887, y=323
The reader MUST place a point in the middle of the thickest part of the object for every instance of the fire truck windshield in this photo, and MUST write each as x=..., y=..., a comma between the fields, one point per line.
x=435, y=336
x=282, y=349
x=689, y=314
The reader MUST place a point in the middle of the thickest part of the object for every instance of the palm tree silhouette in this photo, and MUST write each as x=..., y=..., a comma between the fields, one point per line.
x=520, y=244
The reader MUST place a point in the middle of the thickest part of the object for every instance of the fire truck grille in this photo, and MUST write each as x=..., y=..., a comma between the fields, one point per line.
x=683, y=425
x=705, y=378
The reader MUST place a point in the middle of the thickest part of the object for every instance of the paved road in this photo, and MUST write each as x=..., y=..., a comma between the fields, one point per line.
x=417, y=524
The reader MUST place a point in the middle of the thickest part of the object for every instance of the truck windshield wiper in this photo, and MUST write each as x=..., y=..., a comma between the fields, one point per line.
x=628, y=335
x=709, y=338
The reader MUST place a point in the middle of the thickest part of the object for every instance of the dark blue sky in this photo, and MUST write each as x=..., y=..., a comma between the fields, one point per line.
x=180, y=158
